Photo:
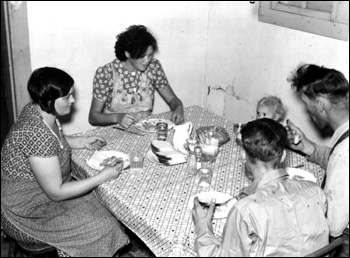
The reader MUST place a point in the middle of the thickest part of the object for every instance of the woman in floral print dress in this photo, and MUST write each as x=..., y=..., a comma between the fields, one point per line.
x=123, y=90
x=38, y=195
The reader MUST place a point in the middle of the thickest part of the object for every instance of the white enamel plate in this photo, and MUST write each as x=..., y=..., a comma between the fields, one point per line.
x=95, y=160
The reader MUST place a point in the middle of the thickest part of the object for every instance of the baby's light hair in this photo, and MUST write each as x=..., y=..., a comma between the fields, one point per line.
x=276, y=104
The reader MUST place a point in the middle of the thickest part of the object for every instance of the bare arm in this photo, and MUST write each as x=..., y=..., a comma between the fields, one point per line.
x=174, y=103
x=87, y=142
x=47, y=171
x=98, y=118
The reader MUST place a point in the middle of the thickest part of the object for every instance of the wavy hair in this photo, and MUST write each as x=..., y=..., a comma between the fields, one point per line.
x=135, y=40
x=276, y=104
x=314, y=80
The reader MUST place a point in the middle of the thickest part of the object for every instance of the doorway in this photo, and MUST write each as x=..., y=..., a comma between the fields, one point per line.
x=7, y=113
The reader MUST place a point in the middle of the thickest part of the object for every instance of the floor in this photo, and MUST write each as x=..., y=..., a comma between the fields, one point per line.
x=136, y=248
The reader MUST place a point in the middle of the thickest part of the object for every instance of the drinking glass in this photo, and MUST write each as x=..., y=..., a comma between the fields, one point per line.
x=205, y=175
x=136, y=161
x=162, y=131
x=211, y=150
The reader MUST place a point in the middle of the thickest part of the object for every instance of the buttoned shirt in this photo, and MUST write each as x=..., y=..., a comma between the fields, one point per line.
x=280, y=217
x=337, y=183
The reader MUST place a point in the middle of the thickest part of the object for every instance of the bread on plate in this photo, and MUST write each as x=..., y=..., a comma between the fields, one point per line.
x=166, y=153
x=161, y=146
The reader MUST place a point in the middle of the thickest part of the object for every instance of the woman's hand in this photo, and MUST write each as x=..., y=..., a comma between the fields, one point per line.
x=114, y=172
x=126, y=120
x=93, y=142
x=178, y=116
x=303, y=144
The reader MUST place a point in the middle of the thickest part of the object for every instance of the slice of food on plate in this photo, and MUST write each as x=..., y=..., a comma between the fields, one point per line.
x=161, y=146
x=170, y=155
x=220, y=197
x=111, y=161
x=111, y=158
x=224, y=202
x=149, y=125
x=300, y=174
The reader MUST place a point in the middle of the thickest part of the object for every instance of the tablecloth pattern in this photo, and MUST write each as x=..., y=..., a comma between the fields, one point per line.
x=153, y=203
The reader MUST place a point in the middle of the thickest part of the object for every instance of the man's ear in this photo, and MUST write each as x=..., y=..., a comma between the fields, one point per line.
x=127, y=54
x=322, y=103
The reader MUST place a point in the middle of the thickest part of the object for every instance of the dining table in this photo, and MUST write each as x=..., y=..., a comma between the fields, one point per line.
x=155, y=202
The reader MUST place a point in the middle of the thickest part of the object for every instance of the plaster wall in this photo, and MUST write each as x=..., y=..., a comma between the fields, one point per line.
x=79, y=37
x=215, y=47
x=248, y=59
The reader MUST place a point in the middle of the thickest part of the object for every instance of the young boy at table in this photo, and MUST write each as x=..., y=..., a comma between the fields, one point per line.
x=279, y=217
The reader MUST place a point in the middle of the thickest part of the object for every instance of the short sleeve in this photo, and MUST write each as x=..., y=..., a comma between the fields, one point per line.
x=103, y=82
x=37, y=141
x=157, y=74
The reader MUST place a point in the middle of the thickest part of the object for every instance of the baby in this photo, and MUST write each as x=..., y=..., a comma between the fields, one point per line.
x=267, y=107
x=271, y=107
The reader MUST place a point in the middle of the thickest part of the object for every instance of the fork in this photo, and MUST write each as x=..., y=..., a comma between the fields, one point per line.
x=127, y=131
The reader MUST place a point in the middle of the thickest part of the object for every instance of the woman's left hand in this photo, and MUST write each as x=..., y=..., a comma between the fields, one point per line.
x=178, y=116
x=94, y=142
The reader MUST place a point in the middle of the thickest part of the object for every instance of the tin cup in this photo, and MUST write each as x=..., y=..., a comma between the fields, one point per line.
x=162, y=131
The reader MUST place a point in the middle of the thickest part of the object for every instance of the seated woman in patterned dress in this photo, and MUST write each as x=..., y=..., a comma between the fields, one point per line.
x=38, y=194
x=123, y=90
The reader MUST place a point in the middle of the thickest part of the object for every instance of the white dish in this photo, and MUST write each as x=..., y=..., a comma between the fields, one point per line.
x=221, y=211
x=149, y=125
x=98, y=156
x=300, y=174
x=153, y=158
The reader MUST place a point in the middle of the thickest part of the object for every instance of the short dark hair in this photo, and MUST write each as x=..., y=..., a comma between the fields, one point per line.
x=47, y=84
x=264, y=139
x=135, y=40
x=319, y=80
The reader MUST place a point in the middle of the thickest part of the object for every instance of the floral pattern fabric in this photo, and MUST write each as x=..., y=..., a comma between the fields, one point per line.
x=134, y=85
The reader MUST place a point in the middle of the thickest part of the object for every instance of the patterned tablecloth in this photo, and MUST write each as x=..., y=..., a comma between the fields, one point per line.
x=153, y=203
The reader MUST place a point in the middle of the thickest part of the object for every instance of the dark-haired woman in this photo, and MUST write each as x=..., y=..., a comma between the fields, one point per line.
x=123, y=90
x=38, y=195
